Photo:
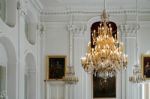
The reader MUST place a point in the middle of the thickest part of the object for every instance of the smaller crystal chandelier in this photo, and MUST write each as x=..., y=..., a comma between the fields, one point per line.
x=3, y=94
x=70, y=77
x=107, y=56
x=137, y=76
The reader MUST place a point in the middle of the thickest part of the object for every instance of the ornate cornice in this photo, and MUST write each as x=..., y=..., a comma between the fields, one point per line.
x=88, y=11
x=83, y=15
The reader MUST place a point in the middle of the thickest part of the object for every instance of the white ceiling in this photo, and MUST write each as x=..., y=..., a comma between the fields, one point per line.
x=59, y=10
x=117, y=4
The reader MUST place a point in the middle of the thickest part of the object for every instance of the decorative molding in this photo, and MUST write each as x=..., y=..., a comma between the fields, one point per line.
x=41, y=29
x=76, y=29
x=22, y=12
x=128, y=30
x=83, y=15
x=88, y=11
x=21, y=9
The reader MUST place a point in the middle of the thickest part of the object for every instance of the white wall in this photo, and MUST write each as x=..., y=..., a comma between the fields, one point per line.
x=13, y=40
x=56, y=43
x=57, y=39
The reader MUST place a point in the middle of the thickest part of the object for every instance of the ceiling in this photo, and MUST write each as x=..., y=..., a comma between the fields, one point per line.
x=115, y=4
x=59, y=10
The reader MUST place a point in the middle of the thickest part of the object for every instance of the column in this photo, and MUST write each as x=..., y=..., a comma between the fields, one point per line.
x=43, y=82
x=20, y=59
x=83, y=87
x=128, y=34
x=40, y=60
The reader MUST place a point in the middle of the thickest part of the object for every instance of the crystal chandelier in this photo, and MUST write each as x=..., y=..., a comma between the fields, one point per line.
x=70, y=77
x=107, y=56
x=137, y=76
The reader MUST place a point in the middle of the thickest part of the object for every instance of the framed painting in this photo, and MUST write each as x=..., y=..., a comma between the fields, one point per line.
x=55, y=67
x=145, y=61
x=104, y=88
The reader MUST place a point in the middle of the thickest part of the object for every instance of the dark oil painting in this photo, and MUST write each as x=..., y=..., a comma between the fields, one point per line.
x=104, y=88
x=56, y=67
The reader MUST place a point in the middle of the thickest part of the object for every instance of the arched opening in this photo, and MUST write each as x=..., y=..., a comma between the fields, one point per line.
x=30, y=28
x=3, y=9
x=11, y=67
x=11, y=12
x=8, y=12
x=107, y=87
x=3, y=75
x=30, y=77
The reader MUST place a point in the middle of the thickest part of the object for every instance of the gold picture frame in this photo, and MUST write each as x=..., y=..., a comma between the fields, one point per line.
x=145, y=62
x=55, y=67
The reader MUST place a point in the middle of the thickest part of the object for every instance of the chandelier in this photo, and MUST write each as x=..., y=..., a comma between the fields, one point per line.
x=70, y=77
x=137, y=76
x=105, y=54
